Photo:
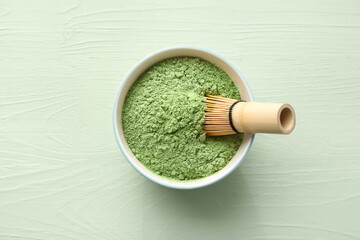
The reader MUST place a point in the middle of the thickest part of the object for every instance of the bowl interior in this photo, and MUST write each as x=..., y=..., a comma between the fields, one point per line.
x=142, y=66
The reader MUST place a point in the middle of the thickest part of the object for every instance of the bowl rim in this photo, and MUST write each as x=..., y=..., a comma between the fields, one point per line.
x=115, y=119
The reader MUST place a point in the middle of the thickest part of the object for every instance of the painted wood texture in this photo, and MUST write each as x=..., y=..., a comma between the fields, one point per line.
x=62, y=175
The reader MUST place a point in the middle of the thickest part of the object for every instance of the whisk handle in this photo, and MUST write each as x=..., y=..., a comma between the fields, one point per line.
x=258, y=117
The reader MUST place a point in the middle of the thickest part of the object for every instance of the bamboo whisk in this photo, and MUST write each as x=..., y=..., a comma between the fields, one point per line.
x=225, y=116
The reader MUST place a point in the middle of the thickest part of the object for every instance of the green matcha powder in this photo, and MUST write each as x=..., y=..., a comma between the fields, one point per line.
x=163, y=117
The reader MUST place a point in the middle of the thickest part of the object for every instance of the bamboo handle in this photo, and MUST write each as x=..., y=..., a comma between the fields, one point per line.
x=257, y=117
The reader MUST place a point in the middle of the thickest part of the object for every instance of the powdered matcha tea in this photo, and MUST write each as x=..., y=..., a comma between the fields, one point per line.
x=163, y=118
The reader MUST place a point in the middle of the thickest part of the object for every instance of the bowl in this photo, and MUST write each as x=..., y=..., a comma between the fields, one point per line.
x=142, y=66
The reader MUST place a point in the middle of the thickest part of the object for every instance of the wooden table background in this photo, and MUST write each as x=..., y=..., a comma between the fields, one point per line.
x=62, y=175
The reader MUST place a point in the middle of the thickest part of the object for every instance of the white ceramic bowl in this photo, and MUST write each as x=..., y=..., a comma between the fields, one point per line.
x=142, y=66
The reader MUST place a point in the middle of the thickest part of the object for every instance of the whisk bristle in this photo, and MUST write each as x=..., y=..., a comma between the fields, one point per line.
x=217, y=116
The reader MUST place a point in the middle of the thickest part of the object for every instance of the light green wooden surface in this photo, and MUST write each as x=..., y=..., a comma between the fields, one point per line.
x=62, y=175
